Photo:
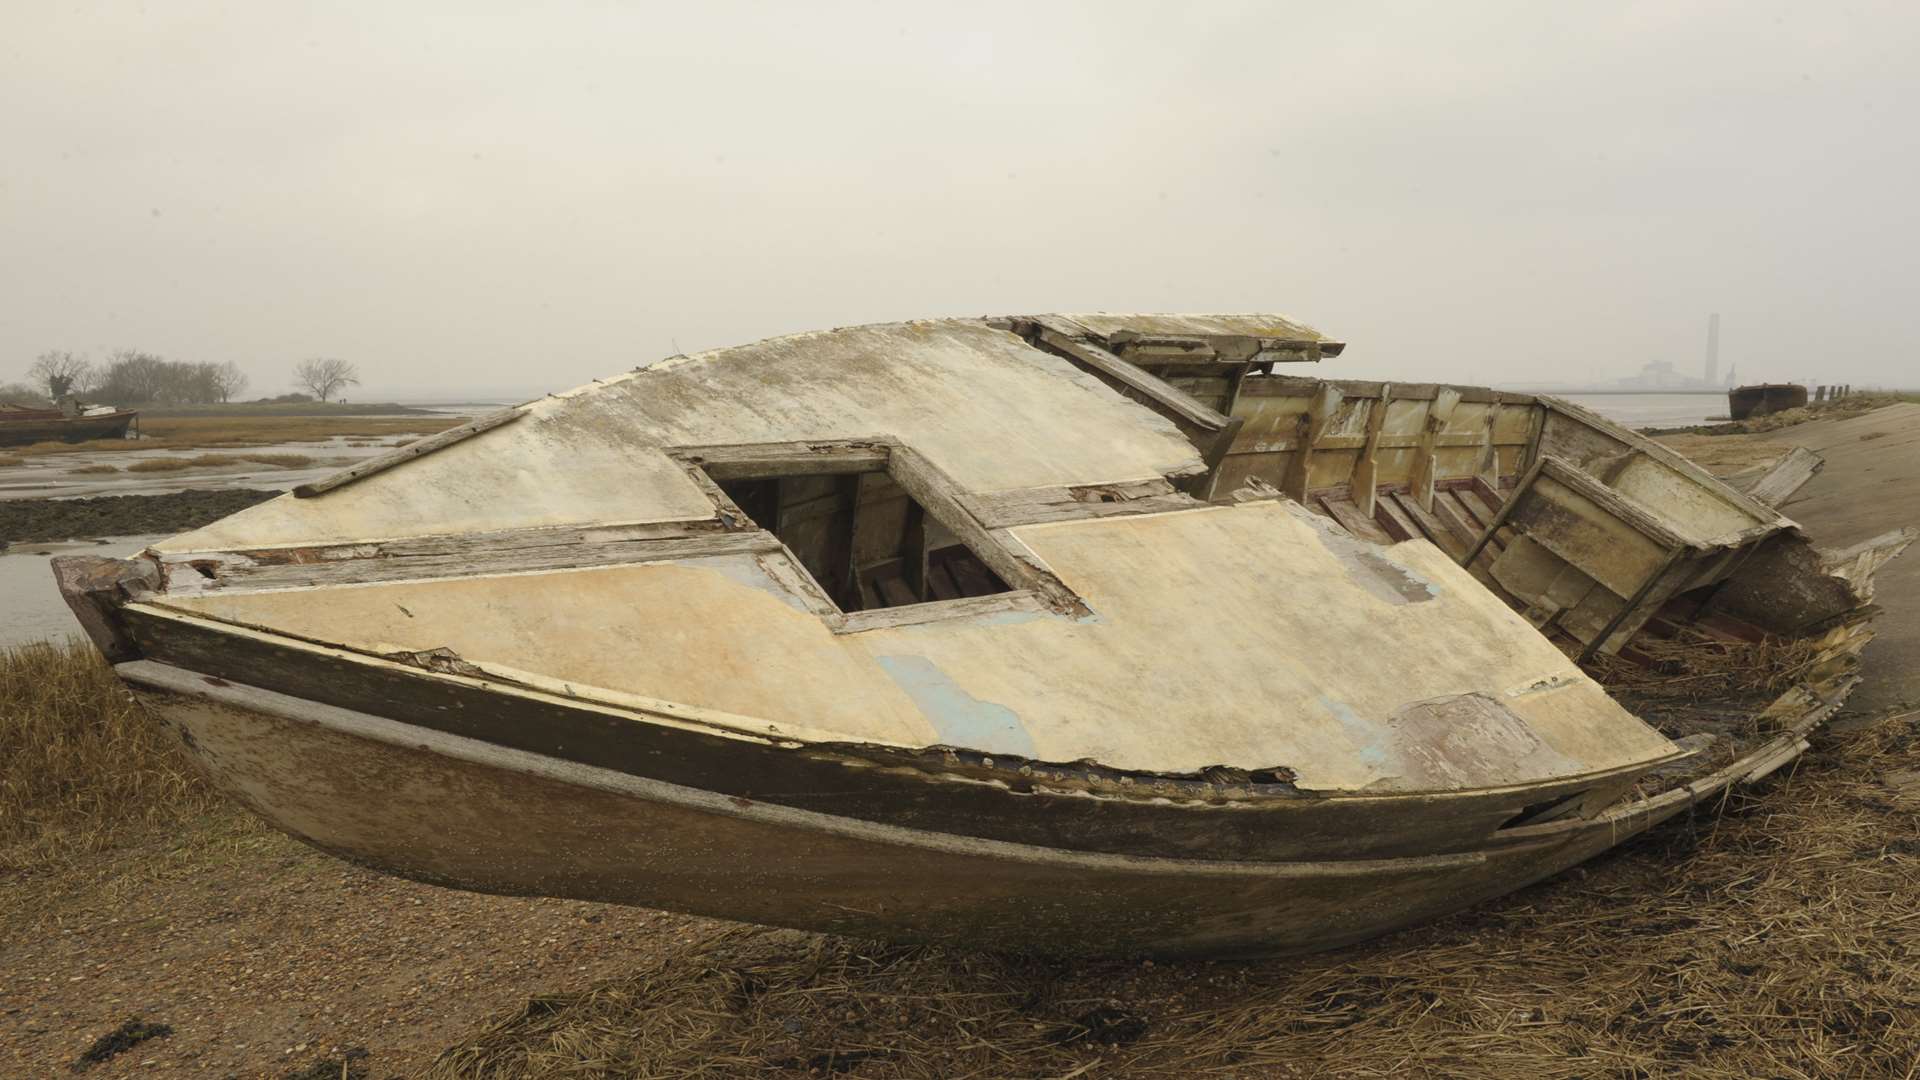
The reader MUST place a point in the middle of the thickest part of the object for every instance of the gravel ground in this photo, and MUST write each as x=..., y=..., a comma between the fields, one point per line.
x=266, y=959
x=120, y=515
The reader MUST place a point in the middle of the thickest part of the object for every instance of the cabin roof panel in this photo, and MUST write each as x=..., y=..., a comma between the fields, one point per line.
x=1245, y=636
x=992, y=412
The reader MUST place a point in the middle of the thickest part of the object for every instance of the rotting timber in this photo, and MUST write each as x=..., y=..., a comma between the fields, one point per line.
x=1064, y=633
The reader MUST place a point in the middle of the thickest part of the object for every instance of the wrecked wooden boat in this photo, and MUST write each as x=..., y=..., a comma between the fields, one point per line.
x=20, y=426
x=1093, y=633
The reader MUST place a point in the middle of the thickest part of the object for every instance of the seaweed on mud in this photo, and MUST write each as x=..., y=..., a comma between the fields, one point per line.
x=118, y=1041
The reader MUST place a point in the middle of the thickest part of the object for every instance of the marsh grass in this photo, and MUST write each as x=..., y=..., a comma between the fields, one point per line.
x=227, y=432
x=94, y=470
x=285, y=461
x=11, y=459
x=216, y=461
x=81, y=766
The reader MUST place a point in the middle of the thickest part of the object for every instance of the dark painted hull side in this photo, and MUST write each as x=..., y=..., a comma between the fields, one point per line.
x=63, y=429
x=471, y=815
x=1749, y=401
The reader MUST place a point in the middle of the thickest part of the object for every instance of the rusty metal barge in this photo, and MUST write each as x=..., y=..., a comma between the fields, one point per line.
x=1761, y=399
x=1090, y=633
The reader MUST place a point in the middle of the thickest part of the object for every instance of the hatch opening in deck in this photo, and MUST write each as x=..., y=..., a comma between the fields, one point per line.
x=865, y=539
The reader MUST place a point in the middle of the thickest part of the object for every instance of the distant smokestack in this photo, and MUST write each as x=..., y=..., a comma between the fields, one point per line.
x=1713, y=349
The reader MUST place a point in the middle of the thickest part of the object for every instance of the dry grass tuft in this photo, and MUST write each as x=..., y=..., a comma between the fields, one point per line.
x=11, y=459
x=1773, y=936
x=1692, y=666
x=80, y=764
x=285, y=461
x=218, y=461
x=94, y=470
x=163, y=464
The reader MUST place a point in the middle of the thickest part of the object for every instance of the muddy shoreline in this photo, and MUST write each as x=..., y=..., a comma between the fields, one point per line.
x=43, y=520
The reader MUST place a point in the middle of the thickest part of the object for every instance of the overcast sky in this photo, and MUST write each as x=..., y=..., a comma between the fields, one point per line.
x=517, y=201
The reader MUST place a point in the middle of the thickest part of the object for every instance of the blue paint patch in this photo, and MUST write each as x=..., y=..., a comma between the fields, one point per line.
x=1365, y=737
x=960, y=718
x=745, y=570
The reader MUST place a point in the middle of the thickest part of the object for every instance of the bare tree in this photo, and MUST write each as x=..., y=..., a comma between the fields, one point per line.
x=23, y=395
x=325, y=376
x=132, y=377
x=62, y=373
x=229, y=381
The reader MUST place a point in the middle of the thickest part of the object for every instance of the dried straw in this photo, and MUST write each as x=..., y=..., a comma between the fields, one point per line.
x=80, y=764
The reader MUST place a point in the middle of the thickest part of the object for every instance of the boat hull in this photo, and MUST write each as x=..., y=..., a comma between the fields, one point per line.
x=1749, y=401
x=64, y=429
x=472, y=815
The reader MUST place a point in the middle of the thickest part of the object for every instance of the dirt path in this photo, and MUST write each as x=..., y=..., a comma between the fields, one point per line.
x=265, y=957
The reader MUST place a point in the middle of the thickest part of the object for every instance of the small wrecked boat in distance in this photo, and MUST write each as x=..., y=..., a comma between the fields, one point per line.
x=1074, y=634
x=20, y=426
x=1759, y=399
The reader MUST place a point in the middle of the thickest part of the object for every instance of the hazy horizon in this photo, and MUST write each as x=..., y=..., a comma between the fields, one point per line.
x=496, y=202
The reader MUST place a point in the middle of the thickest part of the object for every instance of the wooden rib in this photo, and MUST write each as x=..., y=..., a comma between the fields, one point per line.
x=1506, y=508
x=1366, y=470
x=1489, y=493
x=1430, y=526
x=1350, y=518
x=1393, y=520
x=1425, y=461
x=1312, y=427
x=401, y=455
x=1448, y=508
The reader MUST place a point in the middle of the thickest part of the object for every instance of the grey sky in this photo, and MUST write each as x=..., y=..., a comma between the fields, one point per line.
x=527, y=197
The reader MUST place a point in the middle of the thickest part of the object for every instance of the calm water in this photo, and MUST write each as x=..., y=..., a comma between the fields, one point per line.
x=1655, y=410
x=30, y=605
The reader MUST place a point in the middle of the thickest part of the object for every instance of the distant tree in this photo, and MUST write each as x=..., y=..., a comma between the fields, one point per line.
x=20, y=393
x=325, y=376
x=134, y=378
x=229, y=381
x=62, y=373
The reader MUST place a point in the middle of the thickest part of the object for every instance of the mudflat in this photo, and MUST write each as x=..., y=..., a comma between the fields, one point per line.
x=120, y=515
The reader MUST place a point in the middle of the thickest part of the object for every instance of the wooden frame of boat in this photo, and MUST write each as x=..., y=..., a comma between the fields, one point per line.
x=1262, y=664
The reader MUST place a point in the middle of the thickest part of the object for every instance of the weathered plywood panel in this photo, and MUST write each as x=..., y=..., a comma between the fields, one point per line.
x=986, y=408
x=1580, y=532
x=1686, y=506
x=1274, y=615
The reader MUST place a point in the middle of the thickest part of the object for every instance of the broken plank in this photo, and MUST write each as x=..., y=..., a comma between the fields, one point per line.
x=199, y=572
x=401, y=455
x=1786, y=477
